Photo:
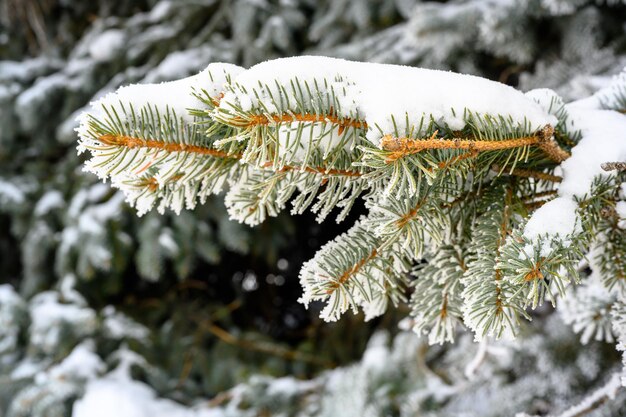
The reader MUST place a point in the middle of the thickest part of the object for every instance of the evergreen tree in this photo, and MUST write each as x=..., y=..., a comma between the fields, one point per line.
x=469, y=194
x=463, y=205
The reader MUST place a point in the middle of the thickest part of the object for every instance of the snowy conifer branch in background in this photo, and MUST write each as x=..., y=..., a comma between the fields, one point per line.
x=491, y=196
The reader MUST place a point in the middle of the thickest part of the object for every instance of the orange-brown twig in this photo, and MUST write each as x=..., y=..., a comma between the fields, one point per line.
x=152, y=184
x=132, y=142
x=261, y=119
x=351, y=272
x=400, y=147
x=410, y=215
x=534, y=273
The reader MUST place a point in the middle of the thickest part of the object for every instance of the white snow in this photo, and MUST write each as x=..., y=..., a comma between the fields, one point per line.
x=28, y=368
x=374, y=92
x=160, y=11
x=107, y=45
x=180, y=64
x=607, y=392
x=81, y=363
x=118, y=325
x=117, y=394
x=10, y=193
x=48, y=314
x=608, y=96
x=546, y=98
x=51, y=200
x=31, y=100
x=287, y=386
x=8, y=295
x=555, y=218
x=174, y=95
x=620, y=209
x=67, y=289
x=602, y=141
x=375, y=356
x=11, y=305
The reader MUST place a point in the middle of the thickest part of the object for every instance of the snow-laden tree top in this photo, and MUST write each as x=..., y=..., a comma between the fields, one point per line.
x=488, y=196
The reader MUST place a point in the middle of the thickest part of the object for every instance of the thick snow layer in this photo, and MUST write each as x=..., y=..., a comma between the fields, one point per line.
x=555, y=218
x=174, y=95
x=375, y=92
x=602, y=140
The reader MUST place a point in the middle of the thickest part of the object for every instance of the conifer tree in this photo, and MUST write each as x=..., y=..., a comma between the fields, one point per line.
x=483, y=199
x=183, y=312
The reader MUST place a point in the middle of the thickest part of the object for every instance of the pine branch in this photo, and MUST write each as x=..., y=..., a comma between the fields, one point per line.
x=492, y=305
x=256, y=196
x=352, y=271
x=484, y=142
x=436, y=302
x=411, y=223
x=610, y=237
x=120, y=141
x=275, y=119
x=323, y=141
x=545, y=263
x=154, y=157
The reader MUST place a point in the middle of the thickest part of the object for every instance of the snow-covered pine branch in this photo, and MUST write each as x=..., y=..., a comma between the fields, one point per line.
x=155, y=142
x=510, y=185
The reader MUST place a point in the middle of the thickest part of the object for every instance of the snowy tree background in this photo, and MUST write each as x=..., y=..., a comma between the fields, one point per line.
x=103, y=313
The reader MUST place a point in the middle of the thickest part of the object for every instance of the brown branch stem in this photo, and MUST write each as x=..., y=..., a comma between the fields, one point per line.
x=351, y=272
x=133, y=142
x=401, y=146
x=262, y=120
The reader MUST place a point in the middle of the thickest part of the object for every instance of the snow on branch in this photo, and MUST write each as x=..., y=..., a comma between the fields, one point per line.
x=515, y=187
